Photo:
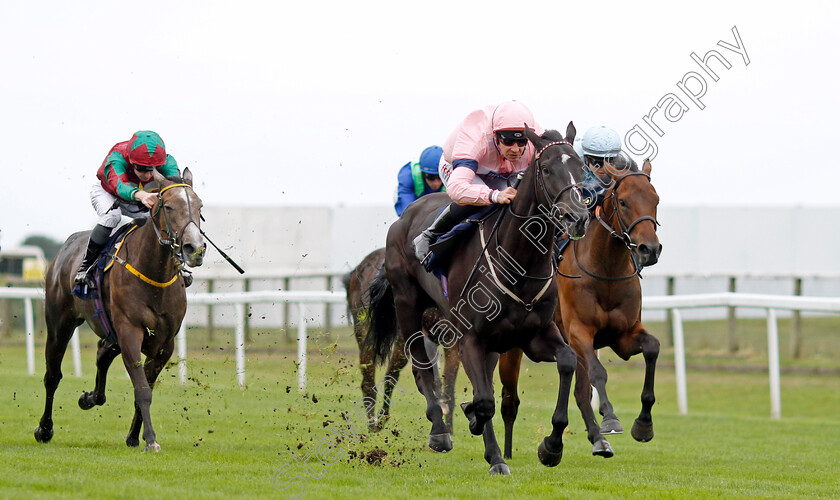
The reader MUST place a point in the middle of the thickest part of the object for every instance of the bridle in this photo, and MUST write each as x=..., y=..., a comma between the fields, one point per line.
x=623, y=232
x=173, y=238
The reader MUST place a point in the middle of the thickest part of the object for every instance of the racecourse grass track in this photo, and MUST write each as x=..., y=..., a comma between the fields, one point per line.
x=219, y=441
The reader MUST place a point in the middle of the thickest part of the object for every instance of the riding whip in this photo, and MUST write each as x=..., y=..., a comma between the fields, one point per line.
x=234, y=264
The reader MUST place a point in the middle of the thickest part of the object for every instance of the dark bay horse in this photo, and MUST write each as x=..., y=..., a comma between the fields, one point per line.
x=143, y=294
x=357, y=284
x=601, y=304
x=507, y=303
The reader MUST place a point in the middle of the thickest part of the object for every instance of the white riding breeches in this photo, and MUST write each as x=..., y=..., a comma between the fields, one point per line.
x=110, y=208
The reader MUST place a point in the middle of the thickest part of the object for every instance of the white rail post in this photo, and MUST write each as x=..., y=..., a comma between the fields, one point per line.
x=182, y=353
x=773, y=365
x=679, y=363
x=301, y=347
x=240, y=344
x=30, y=336
x=77, y=353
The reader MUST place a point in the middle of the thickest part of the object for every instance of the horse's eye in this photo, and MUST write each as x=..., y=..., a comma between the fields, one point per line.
x=546, y=171
x=167, y=208
x=621, y=202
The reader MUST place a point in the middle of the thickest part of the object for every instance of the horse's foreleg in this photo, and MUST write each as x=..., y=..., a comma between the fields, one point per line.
x=152, y=369
x=105, y=355
x=643, y=426
x=142, y=389
x=57, y=340
x=598, y=377
x=583, y=396
x=550, y=450
x=509, y=365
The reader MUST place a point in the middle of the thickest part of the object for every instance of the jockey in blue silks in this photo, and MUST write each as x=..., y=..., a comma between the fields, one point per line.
x=417, y=179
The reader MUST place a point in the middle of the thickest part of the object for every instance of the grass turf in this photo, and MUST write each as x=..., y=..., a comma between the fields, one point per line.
x=220, y=441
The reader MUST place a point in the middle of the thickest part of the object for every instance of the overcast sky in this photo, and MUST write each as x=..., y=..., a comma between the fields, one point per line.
x=319, y=103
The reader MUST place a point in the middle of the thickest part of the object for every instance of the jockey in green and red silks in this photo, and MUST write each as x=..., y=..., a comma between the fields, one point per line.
x=119, y=189
x=146, y=149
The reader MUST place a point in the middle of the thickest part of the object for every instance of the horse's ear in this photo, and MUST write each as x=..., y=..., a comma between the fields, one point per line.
x=159, y=178
x=646, y=167
x=187, y=176
x=570, y=132
x=531, y=135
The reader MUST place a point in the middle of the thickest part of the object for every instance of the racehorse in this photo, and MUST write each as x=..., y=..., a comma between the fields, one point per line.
x=490, y=311
x=601, y=304
x=143, y=294
x=357, y=284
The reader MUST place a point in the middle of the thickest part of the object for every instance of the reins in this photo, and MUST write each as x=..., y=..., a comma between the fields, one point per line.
x=538, y=181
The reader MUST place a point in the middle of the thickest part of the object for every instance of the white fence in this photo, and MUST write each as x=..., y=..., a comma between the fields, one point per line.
x=675, y=303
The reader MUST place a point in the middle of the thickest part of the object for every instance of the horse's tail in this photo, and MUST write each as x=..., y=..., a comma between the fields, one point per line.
x=382, y=318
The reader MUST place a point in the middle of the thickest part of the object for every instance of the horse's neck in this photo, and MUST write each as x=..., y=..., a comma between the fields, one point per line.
x=603, y=253
x=532, y=254
x=146, y=248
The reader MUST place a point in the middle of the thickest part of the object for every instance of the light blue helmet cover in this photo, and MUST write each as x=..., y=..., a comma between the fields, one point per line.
x=601, y=141
x=429, y=159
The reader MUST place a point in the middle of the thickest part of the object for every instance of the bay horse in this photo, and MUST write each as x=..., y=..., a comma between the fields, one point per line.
x=357, y=284
x=509, y=303
x=143, y=294
x=601, y=304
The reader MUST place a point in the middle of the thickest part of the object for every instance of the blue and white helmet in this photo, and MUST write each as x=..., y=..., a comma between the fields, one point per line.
x=599, y=141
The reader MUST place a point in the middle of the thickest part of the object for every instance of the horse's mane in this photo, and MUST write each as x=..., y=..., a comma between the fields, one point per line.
x=552, y=135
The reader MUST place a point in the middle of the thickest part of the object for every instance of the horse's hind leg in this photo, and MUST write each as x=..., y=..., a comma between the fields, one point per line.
x=368, y=369
x=598, y=376
x=395, y=365
x=105, y=355
x=59, y=332
x=450, y=372
x=509, y=365
x=409, y=315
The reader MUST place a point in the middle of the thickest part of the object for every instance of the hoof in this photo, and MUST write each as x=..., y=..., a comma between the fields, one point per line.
x=87, y=401
x=611, y=426
x=547, y=457
x=602, y=448
x=501, y=468
x=153, y=446
x=132, y=441
x=440, y=443
x=642, y=432
x=43, y=435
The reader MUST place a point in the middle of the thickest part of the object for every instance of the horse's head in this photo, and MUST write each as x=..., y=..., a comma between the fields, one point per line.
x=558, y=174
x=630, y=208
x=177, y=218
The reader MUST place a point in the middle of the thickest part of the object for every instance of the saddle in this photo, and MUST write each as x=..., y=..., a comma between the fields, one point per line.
x=443, y=248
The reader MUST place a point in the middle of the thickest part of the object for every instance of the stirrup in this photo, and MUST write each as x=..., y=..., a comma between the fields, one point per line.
x=84, y=276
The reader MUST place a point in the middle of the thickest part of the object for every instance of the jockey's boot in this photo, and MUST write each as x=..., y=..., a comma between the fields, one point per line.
x=445, y=221
x=98, y=239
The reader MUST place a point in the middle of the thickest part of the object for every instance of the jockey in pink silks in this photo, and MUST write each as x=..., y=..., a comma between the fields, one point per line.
x=480, y=159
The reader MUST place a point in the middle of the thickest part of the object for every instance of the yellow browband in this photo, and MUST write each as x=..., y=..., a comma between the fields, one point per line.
x=173, y=186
